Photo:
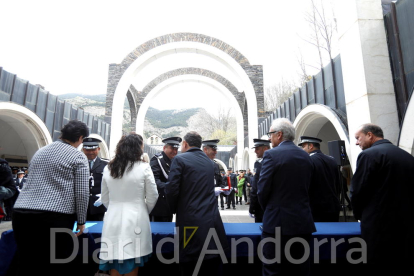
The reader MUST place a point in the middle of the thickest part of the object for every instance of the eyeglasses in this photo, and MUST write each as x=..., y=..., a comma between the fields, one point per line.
x=269, y=134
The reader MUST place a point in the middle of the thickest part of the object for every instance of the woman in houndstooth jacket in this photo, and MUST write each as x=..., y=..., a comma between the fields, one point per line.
x=55, y=196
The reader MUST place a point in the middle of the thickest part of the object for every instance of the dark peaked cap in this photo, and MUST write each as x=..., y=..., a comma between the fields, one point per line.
x=211, y=143
x=172, y=141
x=91, y=143
x=260, y=142
x=309, y=139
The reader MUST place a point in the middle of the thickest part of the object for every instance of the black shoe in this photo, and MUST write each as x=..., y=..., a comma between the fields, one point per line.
x=222, y=208
x=228, y=208
x=234, y=208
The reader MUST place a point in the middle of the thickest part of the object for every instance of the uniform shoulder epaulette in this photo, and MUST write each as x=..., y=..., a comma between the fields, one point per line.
x=158, y=155
x=106, y=160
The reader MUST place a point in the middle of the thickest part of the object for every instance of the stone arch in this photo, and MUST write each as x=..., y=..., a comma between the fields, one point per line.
x=231, y=163
x=221, y=164
x=23, y=132
x=240, y=96
x=236, y=163
x=121, y=75
x=104, y=152
x=141, y=95
x=171, y=81
x=145, y=157
x=246, y=159
x=406, y=139
x=320, y=120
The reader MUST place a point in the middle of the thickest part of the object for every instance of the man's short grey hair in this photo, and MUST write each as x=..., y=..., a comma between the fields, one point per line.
x=285, y=126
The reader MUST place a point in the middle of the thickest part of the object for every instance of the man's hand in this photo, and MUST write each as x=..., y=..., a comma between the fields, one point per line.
x=79, y=228
x=251, y=215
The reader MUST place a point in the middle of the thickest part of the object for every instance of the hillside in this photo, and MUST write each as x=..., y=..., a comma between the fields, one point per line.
x=165, y=123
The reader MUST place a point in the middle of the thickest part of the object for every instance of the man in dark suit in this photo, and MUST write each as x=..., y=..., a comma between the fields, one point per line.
x=381, y=194
x=190, y=194
x=231, y=178
x=8, y=190
x=260, y=146
x=283, y=194
x=323, y=198
x=96, y=210
x=19, y=182
x=210, y=149
x=160, y=165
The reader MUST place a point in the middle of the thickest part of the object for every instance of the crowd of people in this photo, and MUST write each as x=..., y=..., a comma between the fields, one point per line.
x=291, y=187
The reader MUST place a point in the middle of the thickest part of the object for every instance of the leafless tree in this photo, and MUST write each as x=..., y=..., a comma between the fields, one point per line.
x=323, y=27
x=277, y=94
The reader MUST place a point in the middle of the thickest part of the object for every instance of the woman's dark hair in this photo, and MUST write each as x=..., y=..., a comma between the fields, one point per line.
x=128, y=151
x=73, y=130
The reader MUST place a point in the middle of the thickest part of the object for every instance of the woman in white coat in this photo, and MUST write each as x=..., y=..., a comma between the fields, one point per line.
x=129, y=193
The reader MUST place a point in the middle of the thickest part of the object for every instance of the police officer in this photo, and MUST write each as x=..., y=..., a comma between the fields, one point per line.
x=323, y=198
x=160, y=165
x=96, y=210
x=14, y=172
x=210, y=149
x=260, y=146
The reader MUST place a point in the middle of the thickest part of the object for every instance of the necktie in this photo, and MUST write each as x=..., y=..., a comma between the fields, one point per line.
x=91, y=164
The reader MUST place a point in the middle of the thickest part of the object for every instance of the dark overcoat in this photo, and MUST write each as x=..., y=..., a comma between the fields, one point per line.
x=190, y=194
x=283, y=189
x=161, y=207
x=322, y=191
x=97, y=172
x=255, y=207
x=382, y=192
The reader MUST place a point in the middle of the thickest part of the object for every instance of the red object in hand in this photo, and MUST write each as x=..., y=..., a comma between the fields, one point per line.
x=228, y=184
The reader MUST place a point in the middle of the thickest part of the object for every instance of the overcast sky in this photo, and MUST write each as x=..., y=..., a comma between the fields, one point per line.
x=67, y=46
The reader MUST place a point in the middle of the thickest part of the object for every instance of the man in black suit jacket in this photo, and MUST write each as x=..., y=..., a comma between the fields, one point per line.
x=96, y=210
x=382, y=191
x=283, y=194
x=160, y=165
x=260, y=146
x=323, y=198
x=190, y=194
x=230, y=176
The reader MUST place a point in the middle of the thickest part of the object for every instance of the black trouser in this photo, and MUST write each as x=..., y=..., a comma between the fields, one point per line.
x=325, y=217
x=230, y=199
x=161, y=218
x=285, y=267
x=208, y=267
x=32, y=232
x=95, y=217
x=222, y=196
x=244, y=193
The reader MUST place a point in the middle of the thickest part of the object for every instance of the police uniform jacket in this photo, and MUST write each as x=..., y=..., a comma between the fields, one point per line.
x=161, y=207
x=322, y=191
x=190, y=194
x=381, y=196
x=21, y=183
x=283, y=189
x=217, y=176
x=96, y=172
x=255, y=207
